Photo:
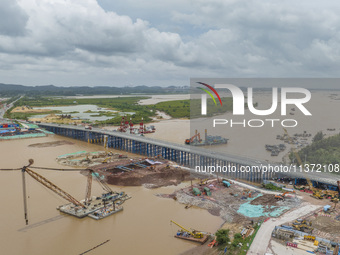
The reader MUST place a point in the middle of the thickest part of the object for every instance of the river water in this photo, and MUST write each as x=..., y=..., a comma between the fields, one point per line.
x=143, y=227
x=250, y=141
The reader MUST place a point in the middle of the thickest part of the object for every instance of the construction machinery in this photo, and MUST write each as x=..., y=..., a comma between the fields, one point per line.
x=48, y=184
x=76, y=208
x=193, y=233
x=203, y=181
x=190, y=235
x=282, y=196
x=330, y=194
x=105, y=160
x=196, y=192
x=226, y=183
x=194, y=139
x=316, y=192
x=300, y=221
x=303, y=225
x=208, y=139
x=328, y=208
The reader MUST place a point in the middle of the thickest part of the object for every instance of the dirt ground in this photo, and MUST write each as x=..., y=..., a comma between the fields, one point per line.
x=266, y=199
x=202, y=250
x=151, y=177
x=225, y=202
x=325, y=225
x=52, y=118
x=29, y=110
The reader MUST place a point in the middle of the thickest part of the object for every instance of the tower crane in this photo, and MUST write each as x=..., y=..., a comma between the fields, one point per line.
x=193, y=233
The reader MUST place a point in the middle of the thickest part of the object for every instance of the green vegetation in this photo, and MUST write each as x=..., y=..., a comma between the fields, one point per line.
x=26, y=115
x=7, y=90
x=124, y=104
x=271, y=186
x=176, y=109
x=238, y=246
x=102, y=113
x=7, y=113
x=192, y=107
x=322, y=151
x=212, y=109
x=318, y=137
x=12, y=99
x=222, y=236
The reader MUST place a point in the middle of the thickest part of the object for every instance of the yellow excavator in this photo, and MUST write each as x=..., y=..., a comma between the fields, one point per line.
x=316, y=192
x=193, y=233
x=302, y=225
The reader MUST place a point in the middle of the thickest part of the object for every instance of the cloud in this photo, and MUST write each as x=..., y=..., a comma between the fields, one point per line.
x=12, y=19
x=59, y=41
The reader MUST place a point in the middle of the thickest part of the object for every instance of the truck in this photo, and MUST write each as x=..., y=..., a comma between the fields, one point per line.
x=226, y=183
x=196, y=191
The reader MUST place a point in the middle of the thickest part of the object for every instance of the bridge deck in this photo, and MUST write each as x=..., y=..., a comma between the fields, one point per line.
x=183, y=154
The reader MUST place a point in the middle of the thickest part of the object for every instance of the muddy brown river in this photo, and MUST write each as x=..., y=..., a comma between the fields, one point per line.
x=143, y=227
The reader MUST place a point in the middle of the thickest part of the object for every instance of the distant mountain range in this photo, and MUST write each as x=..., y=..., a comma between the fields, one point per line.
x=9, y=90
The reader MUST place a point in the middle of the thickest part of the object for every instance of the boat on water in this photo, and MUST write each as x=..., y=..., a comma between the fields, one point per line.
x=187, y=236
x=105, y=212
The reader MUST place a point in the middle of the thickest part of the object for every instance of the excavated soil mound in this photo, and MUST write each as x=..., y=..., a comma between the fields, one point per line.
x=266, y=199
x=50, y=144
x=161, y=177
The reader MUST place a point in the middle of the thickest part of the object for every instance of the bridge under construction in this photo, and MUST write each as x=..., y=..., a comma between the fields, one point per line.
x=206, y=161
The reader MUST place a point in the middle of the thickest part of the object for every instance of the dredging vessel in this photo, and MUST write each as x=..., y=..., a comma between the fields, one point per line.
x=196, y=140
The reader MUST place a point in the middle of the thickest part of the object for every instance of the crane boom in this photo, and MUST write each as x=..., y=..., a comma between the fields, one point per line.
x=181, y=226
x=88, y=187
x=48, y=184
x=193, y=233
x=24, y=194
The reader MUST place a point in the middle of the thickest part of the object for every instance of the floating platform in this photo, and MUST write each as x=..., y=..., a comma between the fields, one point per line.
x=105, y=212
x=190, y=238
x=209, y=142
x=98, y=205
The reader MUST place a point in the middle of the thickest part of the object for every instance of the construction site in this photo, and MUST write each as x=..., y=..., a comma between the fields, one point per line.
x=127, y=169
x=86, y=159
x=196, y=140
x=10, y=130
x=152, y=173
x=317, y=232
x=96, y=207
x=128, y=127
x=232, y=201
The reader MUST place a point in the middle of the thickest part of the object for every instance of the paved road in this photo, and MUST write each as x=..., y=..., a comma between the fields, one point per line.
x=261, y=241
x=4, y=109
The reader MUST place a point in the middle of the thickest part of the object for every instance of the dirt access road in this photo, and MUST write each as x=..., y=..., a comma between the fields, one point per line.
x=261, y=241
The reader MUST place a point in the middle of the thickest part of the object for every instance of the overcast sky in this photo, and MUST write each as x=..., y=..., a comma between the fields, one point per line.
x=152, y=42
